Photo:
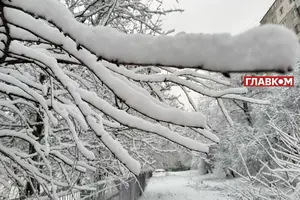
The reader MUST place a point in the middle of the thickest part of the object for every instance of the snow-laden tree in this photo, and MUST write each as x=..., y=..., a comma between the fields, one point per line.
x=129, y=17
x=263, y=149
x=58, y=75
x=279, y=140
x=237, y=127
x=125, y=15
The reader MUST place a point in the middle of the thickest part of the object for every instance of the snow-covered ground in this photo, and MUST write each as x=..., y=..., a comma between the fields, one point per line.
x=191, y=185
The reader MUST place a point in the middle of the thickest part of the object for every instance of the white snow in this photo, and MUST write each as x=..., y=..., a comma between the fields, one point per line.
x=250, y=100
x=78, y=94
x=209, y=135
x=3, y=38
x=265, y=48
x=159, y=76
x=133, y=98
x=224, y=111
x=138, y=123
x=25, y=79
x=190, y=185
x=115, y=147
x=13, y=81
x=179, y=81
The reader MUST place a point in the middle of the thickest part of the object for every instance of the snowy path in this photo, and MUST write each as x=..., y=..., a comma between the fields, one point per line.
x=189, y=186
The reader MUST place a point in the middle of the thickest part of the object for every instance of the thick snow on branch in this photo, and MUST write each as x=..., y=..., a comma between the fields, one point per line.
x=115, y=147
x=64, y=92
x=135, y=122
x=264, y=48
x=224, y=111
x=161, y=77
x=12, y=81
x=174, y=79
x=133, y=165
x=135, y=99
x=247, y=99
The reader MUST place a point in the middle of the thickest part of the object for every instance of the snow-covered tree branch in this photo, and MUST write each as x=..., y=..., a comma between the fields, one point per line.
x=181, y=51
x=77, y=95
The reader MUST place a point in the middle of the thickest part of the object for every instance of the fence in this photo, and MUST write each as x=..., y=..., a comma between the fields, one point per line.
x=133, y=189
x=117, y=190
x=74, y=196
x=65, y=195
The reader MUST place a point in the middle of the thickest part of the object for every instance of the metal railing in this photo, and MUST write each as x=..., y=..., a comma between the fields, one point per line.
x=132, y=190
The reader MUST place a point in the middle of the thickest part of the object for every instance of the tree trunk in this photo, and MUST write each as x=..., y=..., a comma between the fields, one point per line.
x=32, y=185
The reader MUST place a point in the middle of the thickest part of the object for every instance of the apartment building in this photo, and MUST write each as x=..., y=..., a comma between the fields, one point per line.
x=286, y=12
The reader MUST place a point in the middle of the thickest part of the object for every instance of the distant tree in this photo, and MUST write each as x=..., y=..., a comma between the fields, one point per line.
x=266, y=150
x=279, y=139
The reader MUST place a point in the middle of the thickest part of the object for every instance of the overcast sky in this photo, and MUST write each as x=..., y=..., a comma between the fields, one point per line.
x=215, y=16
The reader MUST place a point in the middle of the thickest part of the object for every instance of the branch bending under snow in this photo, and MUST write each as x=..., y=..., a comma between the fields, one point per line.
x=133, y=98
x=181, y=51
x=246, y=52
x=224, y=111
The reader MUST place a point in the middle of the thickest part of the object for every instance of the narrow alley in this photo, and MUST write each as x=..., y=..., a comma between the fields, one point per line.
x=190, y=185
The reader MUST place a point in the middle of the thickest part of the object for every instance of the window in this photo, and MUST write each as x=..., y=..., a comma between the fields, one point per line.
x=295, y=13
x=281, y=10
x=297, y=28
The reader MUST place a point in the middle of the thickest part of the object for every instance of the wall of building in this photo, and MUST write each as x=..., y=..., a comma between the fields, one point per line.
x=284, y=12
x=270, y=16
x=285, y=6
x=291, y=19
x=278, y=11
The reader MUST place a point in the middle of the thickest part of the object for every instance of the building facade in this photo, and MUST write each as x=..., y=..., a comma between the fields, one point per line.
x=285, y=12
